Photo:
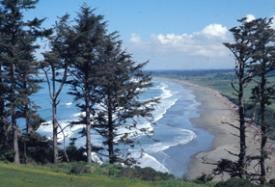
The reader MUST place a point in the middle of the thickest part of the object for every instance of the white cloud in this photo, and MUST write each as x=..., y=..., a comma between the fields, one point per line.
x=172, y=38
x=206, y=43
x=215, y=30
x=135, y=38
x=273, y=22
x=203, y=49
x=250, y=17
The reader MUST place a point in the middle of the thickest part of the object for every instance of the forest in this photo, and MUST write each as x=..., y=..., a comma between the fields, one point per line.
x=104, y=80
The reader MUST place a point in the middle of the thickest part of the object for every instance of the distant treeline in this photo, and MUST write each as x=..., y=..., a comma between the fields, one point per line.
x=190, y=72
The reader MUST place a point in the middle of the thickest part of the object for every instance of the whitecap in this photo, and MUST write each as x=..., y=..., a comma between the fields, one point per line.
x=146, y=160
x=68, y=103
x=185, y=137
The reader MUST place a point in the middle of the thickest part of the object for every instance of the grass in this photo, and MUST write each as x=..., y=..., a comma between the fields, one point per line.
x=222, y=83
x=12, y=175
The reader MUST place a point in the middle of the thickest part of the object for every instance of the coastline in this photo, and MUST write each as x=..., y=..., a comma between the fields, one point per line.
x=215, y=111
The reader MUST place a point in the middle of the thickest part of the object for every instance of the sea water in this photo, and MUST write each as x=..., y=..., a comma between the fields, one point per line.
x=172, y=139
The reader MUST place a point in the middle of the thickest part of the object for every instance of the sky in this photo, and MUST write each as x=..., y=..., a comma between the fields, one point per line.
x=171, y=34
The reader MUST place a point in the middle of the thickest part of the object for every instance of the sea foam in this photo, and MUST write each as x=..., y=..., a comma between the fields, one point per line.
x=168, y=98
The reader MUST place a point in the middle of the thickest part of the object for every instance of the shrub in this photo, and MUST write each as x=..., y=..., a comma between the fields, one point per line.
x=235, y=182
x=148, y=174
x=204, y=178
x=78, y=169
x=272, y=182
x=6, y=155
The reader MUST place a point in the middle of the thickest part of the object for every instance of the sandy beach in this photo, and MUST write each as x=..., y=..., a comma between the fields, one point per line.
x=215, y=111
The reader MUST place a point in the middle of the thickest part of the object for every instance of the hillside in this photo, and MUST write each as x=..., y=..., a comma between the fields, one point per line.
x=76, y=175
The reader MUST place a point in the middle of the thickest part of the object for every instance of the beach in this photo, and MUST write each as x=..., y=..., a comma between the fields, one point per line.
x=189, y=128
x=171, y=138
x=216, y=111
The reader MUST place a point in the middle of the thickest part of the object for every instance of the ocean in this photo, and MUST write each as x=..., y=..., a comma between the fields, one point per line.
x=172, y=141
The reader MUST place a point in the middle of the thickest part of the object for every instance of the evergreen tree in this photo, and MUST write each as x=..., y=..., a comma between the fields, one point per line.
x=18, y=63
x=88, y=34
x=28, y=84
x=4, y=127
x=242, y=52
x=55, y=67
x=263, y=92
x=122, y=81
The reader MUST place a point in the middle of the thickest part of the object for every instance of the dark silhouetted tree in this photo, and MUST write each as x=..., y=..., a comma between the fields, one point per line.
x=121, y=83
x=88, y=34
x=55, y=67
x=18, y=65
x=263, y=92
x=242, y=53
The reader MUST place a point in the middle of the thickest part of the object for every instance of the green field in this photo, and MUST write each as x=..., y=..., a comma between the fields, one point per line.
x=222, y=83
x=57, y=176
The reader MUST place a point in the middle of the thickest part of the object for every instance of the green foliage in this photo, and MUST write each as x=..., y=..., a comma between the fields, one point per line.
x=75, y=154
x=39, y=149
x=78, y=169
x=18, y=69
x=204, y=178
x=147, y=174
x=55, y=61
x=6, y=155
x=121, y=82
x=86, y=37
x=240, y=48
x=236, y=182
x=103, y=74
x=272, y=182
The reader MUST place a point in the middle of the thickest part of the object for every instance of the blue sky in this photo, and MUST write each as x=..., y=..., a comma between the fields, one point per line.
x=172, y=34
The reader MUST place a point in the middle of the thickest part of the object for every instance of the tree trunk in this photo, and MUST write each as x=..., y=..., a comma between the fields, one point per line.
x=263, y=128
x=54, y=120
x=242, y=128
x=15, y=145
x=2, y=104
x=27, y=118
x=15, y=139
x=55, y=129
x=25, y=142
x=3, y=130
x=88, y=130
x=13, y=118
x=26, y=107
x=110, y=135
x=29, y=129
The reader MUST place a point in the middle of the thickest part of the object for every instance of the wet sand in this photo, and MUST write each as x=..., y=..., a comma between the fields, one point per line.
x=215, y=112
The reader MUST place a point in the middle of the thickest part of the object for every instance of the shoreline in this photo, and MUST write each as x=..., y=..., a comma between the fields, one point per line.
x=215, y=111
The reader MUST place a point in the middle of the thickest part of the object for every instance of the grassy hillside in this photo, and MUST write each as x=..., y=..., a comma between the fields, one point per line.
x=62, y=176
x=222, y=82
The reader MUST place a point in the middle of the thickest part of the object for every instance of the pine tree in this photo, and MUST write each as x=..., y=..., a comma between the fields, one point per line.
x=263, y=92
x=28, y=84
x=88, y=33
x=121, y=83
x=4, y=126
x=18, y=63
x=242, y=52
x=55, y=67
